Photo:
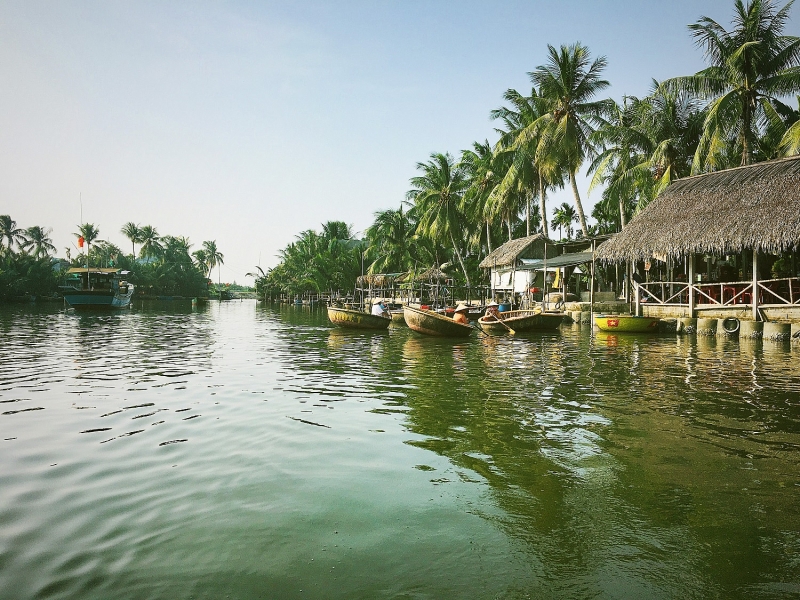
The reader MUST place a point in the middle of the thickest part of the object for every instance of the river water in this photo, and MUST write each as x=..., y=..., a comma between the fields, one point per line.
x=248, y=451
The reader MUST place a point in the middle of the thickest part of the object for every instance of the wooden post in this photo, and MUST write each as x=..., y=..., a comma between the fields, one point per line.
x=755, y=284
x=544, y=279
x=691, y=283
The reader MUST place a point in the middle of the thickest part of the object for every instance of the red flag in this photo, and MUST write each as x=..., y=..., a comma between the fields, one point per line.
x=80, y=242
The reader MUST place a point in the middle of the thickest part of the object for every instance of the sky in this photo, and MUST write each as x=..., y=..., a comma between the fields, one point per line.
x=249, y=122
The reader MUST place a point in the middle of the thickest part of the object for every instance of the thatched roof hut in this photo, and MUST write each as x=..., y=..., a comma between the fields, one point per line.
x=507, y=254
x=753, y=207
x=432, y=275
x=378, y=280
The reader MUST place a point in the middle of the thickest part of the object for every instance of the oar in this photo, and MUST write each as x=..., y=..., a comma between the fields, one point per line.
x=499, y=320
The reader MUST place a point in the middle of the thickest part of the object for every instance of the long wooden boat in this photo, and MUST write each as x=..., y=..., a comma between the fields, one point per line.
x=627, y=323
x=356, y=319
x=97, y=288
x=431, y=323
x=397, y=316
x=522, y=320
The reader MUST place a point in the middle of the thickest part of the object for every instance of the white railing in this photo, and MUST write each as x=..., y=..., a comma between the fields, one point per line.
x=771, y=292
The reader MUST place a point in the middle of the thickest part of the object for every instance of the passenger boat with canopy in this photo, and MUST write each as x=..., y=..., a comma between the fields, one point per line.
x=94, y=288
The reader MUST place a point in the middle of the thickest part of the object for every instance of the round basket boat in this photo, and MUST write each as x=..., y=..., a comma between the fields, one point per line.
x=627, y=323
x=431, y=323
x=356, y=319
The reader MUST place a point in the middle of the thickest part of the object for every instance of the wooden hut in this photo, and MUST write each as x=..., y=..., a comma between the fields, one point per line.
x=738, y=223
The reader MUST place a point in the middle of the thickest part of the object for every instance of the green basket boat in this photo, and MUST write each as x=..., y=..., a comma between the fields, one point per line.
x=431, y=323
x=522, y=320
x=356, y=319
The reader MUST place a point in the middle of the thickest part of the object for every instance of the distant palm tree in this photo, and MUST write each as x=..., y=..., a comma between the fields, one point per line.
x=750, y=67
x=89, y=233
x=38, y=238
x=437, y=195
x=389, y=239
x=133, y=232
x=201, y=260
x=563, y=217
x=10, y=232
x=214, y=258
x=567, y=84
x=151, y=242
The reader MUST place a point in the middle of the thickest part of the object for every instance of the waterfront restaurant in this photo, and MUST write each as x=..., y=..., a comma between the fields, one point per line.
x=723, y=244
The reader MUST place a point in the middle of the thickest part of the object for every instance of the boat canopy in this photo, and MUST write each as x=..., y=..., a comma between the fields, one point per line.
x=96, y=271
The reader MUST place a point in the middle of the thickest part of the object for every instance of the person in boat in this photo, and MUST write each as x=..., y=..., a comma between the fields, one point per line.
x=460, y=315
x=379, y=309
x=491, y=311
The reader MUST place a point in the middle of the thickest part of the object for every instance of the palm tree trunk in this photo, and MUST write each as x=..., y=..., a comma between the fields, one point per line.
x=528, y=216
x=488, y=237
x=622, y=222
x=542, y=204
x=508, y=225
x=746, y=118
x=578, y=204
x=460, y=260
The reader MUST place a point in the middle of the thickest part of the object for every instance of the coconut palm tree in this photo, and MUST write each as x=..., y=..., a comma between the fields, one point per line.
x=563, y=217
x=525, y=172
x=201, y=261
x=389, y=240
x=567, y=83
x=38, y=238
x=151, y=242
x=133, y=232
x=478, y=165
x=89, y=233
x=214, y=258
x=10, y=232
x=750, y=67
x=437, y=194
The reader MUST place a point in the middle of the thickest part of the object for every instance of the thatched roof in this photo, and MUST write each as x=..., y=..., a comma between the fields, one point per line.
x=431, y=275
x=508, y=253
x=757, y=206
x=377, y=280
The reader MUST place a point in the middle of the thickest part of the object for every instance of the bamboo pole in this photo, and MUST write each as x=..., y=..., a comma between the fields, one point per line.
x=691, y=285
x=755, y=284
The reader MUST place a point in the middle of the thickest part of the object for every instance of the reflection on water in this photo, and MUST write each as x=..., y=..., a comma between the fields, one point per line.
x=254, y=451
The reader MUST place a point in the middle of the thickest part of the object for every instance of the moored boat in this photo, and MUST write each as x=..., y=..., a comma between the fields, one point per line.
x=97, y=288
x=397, y=316
x=521, y=320
x=432, y=323
x=356, y=319
x=627, y=323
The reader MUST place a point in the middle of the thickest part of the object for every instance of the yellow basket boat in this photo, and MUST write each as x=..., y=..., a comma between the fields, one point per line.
x=356, y=319
x=627, y=323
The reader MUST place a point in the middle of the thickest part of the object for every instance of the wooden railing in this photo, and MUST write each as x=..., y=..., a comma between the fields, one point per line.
x=771, y=292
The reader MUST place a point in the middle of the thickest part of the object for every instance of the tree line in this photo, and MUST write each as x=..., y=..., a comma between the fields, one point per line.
x=164, y=265
x=458, y=208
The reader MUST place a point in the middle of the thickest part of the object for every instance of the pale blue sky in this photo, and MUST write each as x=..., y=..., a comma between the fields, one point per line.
x=248, y=122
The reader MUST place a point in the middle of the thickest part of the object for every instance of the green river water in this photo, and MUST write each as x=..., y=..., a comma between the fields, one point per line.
x=245, y=451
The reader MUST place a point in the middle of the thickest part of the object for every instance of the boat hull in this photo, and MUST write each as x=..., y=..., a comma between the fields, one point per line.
x=627, y=323
x=97, y=299
x=355, y=319
x=522, y=320
x=431, y=323
x=397, y=316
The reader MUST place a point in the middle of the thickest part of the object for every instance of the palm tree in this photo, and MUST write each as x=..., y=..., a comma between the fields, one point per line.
x=133, y=232
x=38, y=238
x=214, y=258
x=525, y=172
x=10, y=232
x=89, y=233
x=151, y=242
x=749, y=68
x=201, y=261
x=478, y=165
x=389, y=239
x=567, y=84
x=563, y=217
x=438, y=194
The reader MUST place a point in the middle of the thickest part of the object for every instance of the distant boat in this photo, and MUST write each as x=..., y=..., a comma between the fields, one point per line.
x=356, y=319
x=97, y=288
x=522, y=320
x=432, y=323
x=627, y=323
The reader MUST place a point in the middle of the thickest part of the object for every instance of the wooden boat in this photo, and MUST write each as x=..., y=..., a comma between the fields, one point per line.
x=397, y=316
x=356, y=319
x=432, y=323
x=93, y=288
x=522, y=320
x=627, y=323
